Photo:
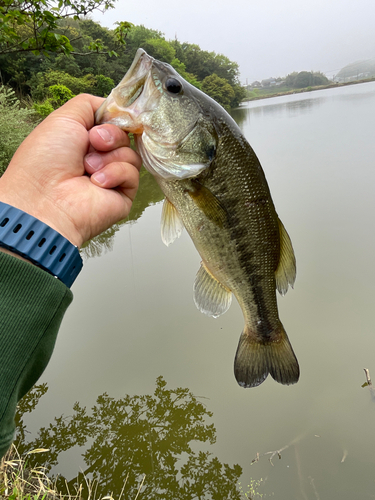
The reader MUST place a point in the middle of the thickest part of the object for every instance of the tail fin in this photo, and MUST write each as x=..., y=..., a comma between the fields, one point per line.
x=256, y=359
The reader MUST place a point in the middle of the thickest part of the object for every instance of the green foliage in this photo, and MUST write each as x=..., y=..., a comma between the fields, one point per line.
x=41, y=82
x=239, y=95
x=44, y=108
x=67, y=64
x=219, y=89
x=31, y=25
x=15, y=124
x=135, y=436
x=103, y=86
x=181, y=69
x=59, y=95
x=305, y=79
x=159, y=49
x=93, y=48
x=202, y=63
x=138, y=37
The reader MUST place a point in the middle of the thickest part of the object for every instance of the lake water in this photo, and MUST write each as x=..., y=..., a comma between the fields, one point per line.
x=133, y=319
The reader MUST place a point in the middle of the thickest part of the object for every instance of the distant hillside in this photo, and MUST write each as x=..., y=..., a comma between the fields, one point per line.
x=356, y=71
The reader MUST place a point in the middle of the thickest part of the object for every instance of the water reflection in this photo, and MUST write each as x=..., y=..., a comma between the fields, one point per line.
x=148, y=194
x=292, y=108
x=149, y=439
x=239, y=115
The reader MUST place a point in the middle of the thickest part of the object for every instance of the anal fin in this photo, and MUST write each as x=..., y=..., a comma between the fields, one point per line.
x=210, y=296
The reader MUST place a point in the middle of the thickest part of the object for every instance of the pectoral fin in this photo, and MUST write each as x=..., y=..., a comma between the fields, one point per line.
x=171, y=224
x=210, y=296
x=208, y=203
x=286, y=271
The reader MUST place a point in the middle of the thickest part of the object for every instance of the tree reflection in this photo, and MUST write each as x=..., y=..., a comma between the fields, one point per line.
x=148, y=194
x=240, y=115
x=128, y=438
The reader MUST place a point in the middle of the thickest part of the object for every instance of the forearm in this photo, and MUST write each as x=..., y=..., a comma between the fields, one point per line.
x=32, y=305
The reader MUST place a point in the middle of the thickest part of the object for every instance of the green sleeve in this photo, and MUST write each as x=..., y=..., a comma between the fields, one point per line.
x=32, y=305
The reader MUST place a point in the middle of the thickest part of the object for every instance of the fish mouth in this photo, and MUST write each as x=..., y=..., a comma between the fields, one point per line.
x=119, y=108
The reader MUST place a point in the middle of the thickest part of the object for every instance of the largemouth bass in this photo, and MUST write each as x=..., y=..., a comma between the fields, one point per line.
x=215, y=187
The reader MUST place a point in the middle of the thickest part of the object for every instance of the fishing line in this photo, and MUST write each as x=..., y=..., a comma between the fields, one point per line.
x=131, y=256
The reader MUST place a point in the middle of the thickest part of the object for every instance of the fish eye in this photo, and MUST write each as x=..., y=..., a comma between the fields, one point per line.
x=173, y=86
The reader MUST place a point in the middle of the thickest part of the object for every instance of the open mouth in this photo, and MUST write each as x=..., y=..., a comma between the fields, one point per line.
x=133, y=93
x=126, y=93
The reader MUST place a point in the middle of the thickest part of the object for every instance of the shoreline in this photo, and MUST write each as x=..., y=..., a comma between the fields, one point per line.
x=307, y=89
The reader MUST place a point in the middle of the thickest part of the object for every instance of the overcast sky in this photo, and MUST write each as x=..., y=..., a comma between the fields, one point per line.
x=265, y=37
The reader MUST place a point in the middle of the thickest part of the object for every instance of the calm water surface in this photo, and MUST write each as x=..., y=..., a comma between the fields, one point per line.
x=133, y=318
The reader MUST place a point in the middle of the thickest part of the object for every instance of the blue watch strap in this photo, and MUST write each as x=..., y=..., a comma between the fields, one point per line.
x=43, y=246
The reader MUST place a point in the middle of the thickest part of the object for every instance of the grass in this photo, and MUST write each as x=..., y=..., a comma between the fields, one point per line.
x=20, y=482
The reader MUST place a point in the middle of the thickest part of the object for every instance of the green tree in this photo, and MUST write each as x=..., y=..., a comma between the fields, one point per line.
x=30, y=25
x=40, y=83
x=159, y=49
x=319, y=78
x=103, y=86
x=239, y=95
x=202, y=63
x=305, y=79
x=181, y=69
x=219, y=89
x=59, y=95
x=68, y=64
x=290, y=79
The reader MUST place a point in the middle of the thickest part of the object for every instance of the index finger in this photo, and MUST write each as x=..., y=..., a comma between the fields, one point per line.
x=81, y=109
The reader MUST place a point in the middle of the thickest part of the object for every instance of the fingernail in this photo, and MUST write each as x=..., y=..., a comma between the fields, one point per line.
x=99, y=177
x=94, y=160
x=104, y=134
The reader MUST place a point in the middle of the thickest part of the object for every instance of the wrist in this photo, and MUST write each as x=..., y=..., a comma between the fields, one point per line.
x=35, y=241
x=34, y=202
x=58, y=223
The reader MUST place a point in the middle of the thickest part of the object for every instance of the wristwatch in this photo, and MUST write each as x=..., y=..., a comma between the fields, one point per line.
x=31, y=238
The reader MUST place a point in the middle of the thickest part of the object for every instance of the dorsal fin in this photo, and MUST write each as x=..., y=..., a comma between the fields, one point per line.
x=210, y=296
x=286, y=270
x=171, y=223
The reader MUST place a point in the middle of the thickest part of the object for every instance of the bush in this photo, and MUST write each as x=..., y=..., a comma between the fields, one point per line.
x=104, y=85
x=58, y=95
x=40, y=83
x=43, y=108
x=16, y=123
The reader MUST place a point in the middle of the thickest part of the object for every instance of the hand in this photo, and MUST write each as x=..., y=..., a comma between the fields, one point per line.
x=47, y=176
